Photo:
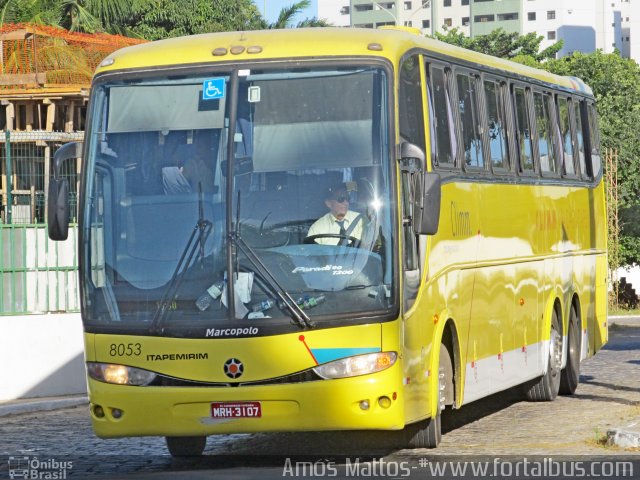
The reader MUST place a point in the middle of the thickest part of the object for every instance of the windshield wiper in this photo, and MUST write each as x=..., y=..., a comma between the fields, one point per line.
x=198, y=238
x=299, y=317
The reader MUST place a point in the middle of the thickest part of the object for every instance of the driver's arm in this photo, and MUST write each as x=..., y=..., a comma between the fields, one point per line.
x=315, y=228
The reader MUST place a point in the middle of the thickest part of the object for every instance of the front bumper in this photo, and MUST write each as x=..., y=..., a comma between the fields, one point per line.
x=307, y=406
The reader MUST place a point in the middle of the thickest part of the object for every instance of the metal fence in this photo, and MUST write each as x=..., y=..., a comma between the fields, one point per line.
x=36, y=274
x=25, y=167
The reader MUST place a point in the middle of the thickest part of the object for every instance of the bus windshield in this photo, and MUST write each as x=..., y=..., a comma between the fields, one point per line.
x=267, y=188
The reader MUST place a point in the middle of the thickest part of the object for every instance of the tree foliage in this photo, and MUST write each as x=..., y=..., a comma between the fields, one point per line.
x=616, y=85
x=152, y=19
x=499, y=43
x=76, y=15
x=286, y=18
x=157, y=19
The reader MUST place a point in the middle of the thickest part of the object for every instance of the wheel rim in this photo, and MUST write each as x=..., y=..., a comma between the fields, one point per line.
x=555, y=352
x=441, y=390
x=574, y=342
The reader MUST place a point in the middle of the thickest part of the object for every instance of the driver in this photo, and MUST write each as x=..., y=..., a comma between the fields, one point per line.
x=337, y=224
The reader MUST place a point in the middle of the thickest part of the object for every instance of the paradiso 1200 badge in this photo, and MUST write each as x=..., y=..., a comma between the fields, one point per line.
x=334, y=269
x=233, y=368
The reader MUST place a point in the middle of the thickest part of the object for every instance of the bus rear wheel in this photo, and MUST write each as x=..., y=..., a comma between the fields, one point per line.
x=546, y=388
x=428, y=433
x=571, y=372
x=186, y=446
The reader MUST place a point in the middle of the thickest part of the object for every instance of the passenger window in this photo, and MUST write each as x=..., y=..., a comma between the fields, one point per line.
x=523, y=131
x=545, y=138
x=497, y=133
x=579, y=139
x=469, y=121
x=442, y=123
x=594, y=140
x=565, y=136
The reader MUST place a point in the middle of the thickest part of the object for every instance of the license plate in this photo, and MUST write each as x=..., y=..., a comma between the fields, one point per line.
x=236, y=410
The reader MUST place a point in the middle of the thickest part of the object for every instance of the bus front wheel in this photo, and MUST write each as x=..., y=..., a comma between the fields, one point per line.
x=428, y=433
x=186, y=446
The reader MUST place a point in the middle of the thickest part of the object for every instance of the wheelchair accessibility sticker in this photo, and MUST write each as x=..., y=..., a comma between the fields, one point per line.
x=213, y=88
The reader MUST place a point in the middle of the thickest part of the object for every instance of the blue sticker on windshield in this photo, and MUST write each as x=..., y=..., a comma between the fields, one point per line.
x=213, y=88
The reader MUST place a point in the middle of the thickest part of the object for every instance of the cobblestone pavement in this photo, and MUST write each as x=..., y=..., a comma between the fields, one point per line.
x=608, y=397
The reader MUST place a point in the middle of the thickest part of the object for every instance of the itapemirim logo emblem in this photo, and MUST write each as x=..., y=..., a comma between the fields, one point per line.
x=233, y=368
x=34, y=468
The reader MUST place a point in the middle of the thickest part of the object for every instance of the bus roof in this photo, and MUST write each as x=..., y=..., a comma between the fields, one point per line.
x=310, y=43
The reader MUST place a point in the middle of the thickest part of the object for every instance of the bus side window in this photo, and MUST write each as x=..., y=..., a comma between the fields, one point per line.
x=565, y=136
x=410, y=106
x=594, y=140
x=523, y=130
x=469, y=120
x=443, y=140
x=579, y=138
x=496, y=124
x=545, y=137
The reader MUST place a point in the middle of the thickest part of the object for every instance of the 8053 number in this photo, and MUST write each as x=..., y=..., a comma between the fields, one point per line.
x=125, y=349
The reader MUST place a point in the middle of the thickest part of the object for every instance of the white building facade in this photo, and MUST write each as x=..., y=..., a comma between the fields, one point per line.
x=583, y=25
x=336, y=12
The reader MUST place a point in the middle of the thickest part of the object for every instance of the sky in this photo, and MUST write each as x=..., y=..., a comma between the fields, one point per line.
x=273, y=8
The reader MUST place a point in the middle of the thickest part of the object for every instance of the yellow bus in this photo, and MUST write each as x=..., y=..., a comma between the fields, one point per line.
x=471, y=257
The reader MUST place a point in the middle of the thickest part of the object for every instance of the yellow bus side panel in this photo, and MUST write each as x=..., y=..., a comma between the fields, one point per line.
x=504, y=254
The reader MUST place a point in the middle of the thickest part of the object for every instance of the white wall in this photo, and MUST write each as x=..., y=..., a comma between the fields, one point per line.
x=634, y=30
x=576, y=23
x=455, y=12
x=632, y=276
x=41, y=356
x=330, y=10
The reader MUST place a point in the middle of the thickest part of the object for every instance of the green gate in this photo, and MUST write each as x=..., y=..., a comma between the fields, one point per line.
x=36, y=274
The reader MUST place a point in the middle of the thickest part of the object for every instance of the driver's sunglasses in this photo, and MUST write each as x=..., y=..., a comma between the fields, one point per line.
x=341, y=198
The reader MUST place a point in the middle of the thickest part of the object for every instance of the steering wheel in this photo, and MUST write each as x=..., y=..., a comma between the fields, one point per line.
x=353, y=241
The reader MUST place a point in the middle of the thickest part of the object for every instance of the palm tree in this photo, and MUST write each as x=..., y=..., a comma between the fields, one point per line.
x=31, y=11
x=94, y=15
x=75, y=15
x=285, y=18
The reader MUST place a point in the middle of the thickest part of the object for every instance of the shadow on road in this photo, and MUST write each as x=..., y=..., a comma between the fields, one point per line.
x=453, y=419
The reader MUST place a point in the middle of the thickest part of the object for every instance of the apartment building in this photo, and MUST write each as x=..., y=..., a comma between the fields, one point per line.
x=427, y=15
x=583, y=25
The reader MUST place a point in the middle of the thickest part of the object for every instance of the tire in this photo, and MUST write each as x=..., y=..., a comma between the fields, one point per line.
x=186, y=446
x=428, y=433
x=546, y=388
x=571, y=373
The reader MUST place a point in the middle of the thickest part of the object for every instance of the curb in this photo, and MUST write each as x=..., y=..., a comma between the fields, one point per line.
x=31, y=405
x=624, y=320
x=625, y=437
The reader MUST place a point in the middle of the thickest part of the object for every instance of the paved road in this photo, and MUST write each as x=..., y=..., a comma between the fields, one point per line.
x=501, y=425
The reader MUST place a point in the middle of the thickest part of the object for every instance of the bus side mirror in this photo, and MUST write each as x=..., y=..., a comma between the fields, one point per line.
x=58, y=193
x=425, y=190
x=410, y=152
x=426, y=207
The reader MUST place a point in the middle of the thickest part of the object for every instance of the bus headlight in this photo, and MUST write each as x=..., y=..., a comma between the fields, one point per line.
x=119, y=374
x=358, y=365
